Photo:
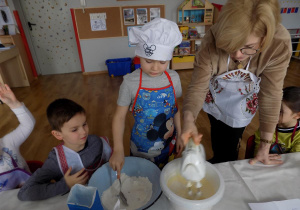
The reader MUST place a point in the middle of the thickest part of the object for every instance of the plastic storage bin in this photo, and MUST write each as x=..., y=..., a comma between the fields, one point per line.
x=119, y=66
x=136, y=62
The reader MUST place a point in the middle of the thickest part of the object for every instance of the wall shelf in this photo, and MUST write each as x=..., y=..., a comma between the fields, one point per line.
x=189, y=17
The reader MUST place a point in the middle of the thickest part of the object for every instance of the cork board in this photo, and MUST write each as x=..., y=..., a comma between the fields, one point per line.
x=134, y=23
x=113, y=23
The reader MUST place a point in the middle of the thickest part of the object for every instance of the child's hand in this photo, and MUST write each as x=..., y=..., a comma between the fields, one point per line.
x=179, y=146
x=80, y=177
x=116, y=162
x=8, y=97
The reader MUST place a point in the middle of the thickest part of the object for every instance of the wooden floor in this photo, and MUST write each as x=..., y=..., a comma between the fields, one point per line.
x=98, y=95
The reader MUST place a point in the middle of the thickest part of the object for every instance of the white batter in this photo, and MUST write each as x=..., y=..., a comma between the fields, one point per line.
x=137, y=190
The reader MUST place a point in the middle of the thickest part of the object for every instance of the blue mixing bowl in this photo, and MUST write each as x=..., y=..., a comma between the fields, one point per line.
x=133, y=166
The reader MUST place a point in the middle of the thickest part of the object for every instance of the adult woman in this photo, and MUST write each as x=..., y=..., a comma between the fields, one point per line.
x=242, y=61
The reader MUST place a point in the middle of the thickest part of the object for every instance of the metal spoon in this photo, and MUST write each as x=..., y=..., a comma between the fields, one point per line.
x=122, y=196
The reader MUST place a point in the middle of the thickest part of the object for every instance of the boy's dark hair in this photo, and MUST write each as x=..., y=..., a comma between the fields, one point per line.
x=291, y=97
x=61, y=111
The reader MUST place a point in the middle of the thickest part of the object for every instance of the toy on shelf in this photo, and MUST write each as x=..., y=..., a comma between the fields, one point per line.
x=193, y=33
x=197, y=3
x=195, y=12
x=184, y=31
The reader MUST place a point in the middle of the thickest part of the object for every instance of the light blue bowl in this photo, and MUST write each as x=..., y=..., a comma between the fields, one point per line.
x=133, y=166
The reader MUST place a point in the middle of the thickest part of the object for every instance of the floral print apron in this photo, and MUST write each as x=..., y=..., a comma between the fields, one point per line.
x=153, y=135
x=233, y=97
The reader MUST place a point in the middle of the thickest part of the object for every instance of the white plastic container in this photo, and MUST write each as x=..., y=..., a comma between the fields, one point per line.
x=178, y=203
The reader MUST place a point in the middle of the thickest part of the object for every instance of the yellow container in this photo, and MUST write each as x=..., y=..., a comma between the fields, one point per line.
x=184, y=31
x=183, y=59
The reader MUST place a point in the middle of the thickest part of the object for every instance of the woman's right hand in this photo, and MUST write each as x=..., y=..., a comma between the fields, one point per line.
x=189, y=130
x=116, y=162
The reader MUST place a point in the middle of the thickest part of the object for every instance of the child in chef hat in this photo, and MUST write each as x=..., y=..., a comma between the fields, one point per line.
x=150, y=94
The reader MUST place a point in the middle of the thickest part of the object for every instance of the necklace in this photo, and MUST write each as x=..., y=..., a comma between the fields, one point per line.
x=240, y=66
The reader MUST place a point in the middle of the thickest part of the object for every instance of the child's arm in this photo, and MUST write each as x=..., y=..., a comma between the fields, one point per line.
x=8, y=97
x=179, y=142
x=116, y=161
x=27, y=121
x=40, y=185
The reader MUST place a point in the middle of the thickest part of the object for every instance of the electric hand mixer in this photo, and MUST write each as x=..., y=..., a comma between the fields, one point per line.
x=193, y=165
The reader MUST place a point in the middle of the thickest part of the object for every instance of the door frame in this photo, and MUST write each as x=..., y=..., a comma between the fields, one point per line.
x=19, y=9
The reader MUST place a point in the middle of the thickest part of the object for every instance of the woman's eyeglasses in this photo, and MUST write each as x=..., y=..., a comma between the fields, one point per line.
x=248, y=51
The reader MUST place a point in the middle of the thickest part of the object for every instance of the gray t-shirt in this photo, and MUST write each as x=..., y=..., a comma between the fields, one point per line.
x=130, y=85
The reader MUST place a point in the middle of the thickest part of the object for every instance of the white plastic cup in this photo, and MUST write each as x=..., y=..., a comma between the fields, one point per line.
x=178, y=203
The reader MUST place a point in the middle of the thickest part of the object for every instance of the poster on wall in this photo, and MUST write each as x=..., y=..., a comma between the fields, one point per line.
x=98, y=21
x=154, y=13
x=141, y=14
x=128, y=16
x=5, y=16
x=128, y=29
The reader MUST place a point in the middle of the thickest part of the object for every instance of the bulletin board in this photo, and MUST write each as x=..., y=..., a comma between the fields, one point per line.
x=147, y=7
x=114, y=26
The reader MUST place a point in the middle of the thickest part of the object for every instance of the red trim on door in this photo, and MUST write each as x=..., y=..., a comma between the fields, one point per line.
x=77, y=39
x=17, y=17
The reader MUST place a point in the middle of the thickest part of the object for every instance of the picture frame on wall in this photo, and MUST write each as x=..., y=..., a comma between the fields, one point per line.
x=141, y=16
x=129, y=18
x=154, y=13
x=128, y=29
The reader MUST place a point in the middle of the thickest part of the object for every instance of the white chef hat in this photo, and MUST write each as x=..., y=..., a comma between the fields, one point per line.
x=156, y=39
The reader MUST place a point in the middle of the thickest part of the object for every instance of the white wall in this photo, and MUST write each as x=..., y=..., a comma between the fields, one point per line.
x=96, y=51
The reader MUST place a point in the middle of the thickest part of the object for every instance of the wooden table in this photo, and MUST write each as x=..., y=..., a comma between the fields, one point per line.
x=12, y=71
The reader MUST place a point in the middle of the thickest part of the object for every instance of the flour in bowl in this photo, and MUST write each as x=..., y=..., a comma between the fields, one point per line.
x=137, y=190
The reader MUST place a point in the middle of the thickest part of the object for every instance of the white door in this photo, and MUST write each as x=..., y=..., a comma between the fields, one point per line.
x=52, y=35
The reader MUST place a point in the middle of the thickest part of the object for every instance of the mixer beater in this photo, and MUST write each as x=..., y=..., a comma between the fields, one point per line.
x=193, y=166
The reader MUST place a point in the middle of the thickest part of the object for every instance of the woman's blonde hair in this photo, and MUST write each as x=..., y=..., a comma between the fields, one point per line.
x=239, y=18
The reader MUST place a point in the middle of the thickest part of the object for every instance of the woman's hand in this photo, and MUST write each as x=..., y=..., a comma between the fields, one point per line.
x=264, y=156
x=190, y=130
x=116, y=162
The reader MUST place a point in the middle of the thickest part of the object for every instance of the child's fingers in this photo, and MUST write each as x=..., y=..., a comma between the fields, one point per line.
x=79, y=173
x=84, y=176
x=68, y=171
x=179, y=149
x=119, y=167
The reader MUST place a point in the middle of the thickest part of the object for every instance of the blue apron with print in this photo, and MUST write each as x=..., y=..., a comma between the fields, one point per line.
x=153, y=135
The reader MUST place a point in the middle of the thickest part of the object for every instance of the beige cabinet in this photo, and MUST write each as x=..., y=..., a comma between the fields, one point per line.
x=23, y=58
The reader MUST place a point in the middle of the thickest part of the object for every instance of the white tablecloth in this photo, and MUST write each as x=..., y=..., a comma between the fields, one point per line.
x=244, y=184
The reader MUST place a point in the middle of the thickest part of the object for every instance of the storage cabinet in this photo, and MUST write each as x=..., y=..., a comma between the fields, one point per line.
x=194, y=19
x=17, y=41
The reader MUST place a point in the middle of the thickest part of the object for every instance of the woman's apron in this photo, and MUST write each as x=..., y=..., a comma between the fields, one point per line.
x=232, y=97
x=13, y=178
x=153, y=135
